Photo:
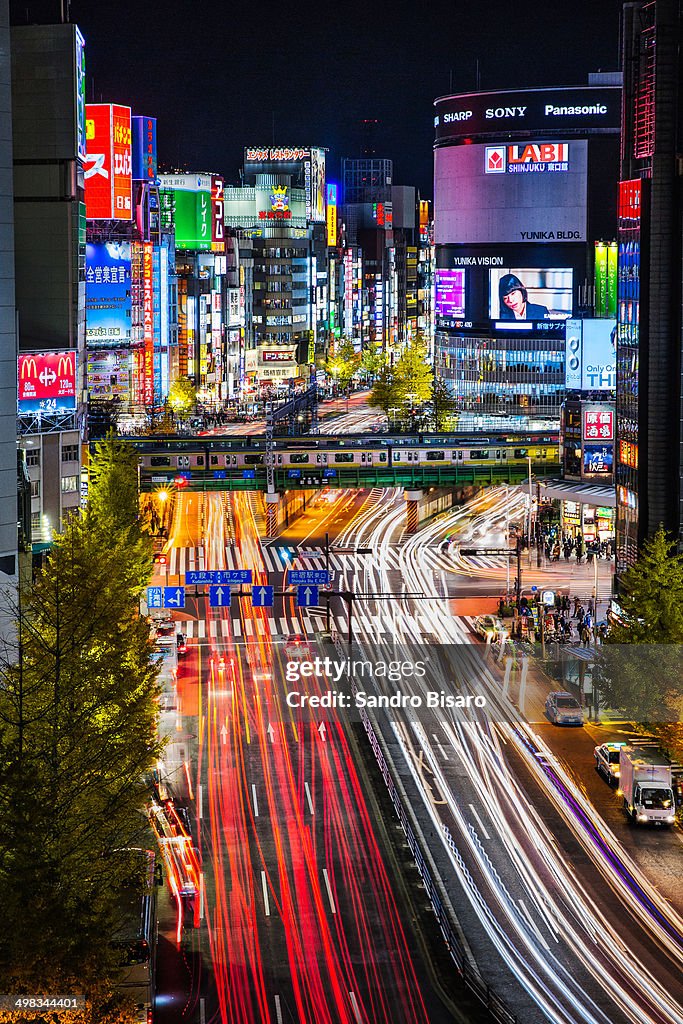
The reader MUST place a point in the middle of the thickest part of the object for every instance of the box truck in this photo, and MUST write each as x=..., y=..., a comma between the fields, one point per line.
x=645, y=782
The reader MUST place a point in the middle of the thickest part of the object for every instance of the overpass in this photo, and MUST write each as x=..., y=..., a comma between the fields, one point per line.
x=414, y=462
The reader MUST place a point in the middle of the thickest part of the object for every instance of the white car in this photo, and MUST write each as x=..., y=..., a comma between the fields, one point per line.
x=607, y=761
x=563, y=708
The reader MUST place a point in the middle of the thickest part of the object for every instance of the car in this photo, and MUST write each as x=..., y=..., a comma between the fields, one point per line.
x=491, y=626
x=164, y=627
x=181, y=643
x=563, y=708
x=296, y=647
x=607, y=761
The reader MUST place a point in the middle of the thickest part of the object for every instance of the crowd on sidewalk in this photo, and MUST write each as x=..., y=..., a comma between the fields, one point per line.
x=557, y=545
x=568, y=621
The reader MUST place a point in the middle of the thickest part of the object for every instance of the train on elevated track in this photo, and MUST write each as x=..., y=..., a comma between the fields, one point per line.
x=203, y=454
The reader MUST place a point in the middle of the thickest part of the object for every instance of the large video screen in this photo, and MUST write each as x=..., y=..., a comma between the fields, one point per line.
x=530, y=293
x=522, y=192
x=449, y=296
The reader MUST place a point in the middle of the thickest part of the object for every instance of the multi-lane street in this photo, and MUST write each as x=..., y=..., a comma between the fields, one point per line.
x=565, y=910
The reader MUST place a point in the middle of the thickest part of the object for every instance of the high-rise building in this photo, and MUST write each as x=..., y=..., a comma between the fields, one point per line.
x=49, y=147
x=524, y=185
x=8, y=337
x=649, y=467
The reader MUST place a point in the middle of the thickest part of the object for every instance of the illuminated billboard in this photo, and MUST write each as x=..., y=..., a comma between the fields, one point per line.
x=315, y=190
x=598, y=459
x=449, y=298
x=108, y=162
x=591, y=359
x=217, y=214
x=144, y=145
x=192, y=219
x=331, y=213
x=47, y=382
x=530, y=293
x=575, y=109
x=108, y=303
x=529, y=192
x=80, y=94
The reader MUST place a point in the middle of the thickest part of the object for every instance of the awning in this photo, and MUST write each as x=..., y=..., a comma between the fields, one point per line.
x=585, y=494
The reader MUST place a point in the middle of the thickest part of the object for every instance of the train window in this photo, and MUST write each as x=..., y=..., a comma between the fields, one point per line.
x=366, y=457
x=436, y=456
x=253, y=460
x=498, y=453
x=505, y=454
x=382, y=456
x=214, y=460
x=481, y=454
x=520, y=453
x=233, y=459
x=200, y=460
x=160, y=460
x=299, y=457
x=321, y=457
x=545, y=453
x=343, y=457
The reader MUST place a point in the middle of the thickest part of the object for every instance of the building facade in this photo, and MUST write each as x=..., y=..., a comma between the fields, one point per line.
x=8, y=335
x=523, y=188
x=649, y=464
x=49, y=140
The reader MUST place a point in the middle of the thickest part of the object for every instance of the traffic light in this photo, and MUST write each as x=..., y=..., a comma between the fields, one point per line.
x=180, y=482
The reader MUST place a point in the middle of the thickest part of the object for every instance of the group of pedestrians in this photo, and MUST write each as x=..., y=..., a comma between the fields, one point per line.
x=557, y=545
x=568, y=621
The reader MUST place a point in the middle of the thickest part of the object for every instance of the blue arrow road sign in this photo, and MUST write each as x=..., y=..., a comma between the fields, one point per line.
x=219, y=596
x=155, y=597
x=174, y=597
x=306, y=595
x=262, y=597
x=227, y=577
x=317, y=577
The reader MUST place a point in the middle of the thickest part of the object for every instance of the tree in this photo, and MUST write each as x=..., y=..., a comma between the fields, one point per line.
x=113, y=482
x=413, y=374
x=373, y=359
x=77, y=735
x=443, y=404
x=640, y=667
x=182, y=397
x=342, y=363
x=385, y=394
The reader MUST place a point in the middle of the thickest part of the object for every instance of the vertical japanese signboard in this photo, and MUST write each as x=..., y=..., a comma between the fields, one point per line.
x=108, y=164
x=217, y=214
x=600, y=279
x=148, y=322
x=331, y=213
x=612, y=278
x=144, y=148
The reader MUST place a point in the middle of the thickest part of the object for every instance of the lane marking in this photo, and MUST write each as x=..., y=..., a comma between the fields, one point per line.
x=533, y=926
x=200, y=800
x=308, y=797
x=253, y=790
x=264, y=884
x=278, y=1010
x=356, y=1008
x=480, y=822
x=201, y=895
x=329, y=891
x=441, y=750
x=202, y=1011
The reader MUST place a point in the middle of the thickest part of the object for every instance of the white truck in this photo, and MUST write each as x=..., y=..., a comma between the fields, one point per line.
x=645, y=782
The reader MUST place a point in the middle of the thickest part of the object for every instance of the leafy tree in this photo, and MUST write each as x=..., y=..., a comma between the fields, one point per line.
x=77, y=735
x=113, y=483
x=373, y=359
x=640, y=669
x=385, y=394
x=413, y=374
x=443, y=404
x=343, y=363
x=182, y=397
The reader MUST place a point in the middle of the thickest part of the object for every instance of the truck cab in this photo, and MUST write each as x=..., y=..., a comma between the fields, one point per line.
x=645, y=781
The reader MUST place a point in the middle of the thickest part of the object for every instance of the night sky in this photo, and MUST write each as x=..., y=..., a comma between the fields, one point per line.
x=220, y=76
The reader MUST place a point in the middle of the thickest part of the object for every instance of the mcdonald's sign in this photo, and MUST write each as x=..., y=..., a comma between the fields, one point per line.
x=47, y=382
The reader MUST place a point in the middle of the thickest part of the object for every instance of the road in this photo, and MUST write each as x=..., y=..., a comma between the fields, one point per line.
x=301, y=917
x=556, y=896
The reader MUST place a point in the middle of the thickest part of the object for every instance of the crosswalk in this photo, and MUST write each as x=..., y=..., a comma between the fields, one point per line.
x=276, y=558
x=366, y=624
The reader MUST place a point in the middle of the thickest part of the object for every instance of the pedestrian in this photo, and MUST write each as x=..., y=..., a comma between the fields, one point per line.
x=576, y=607
x=591, y=606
